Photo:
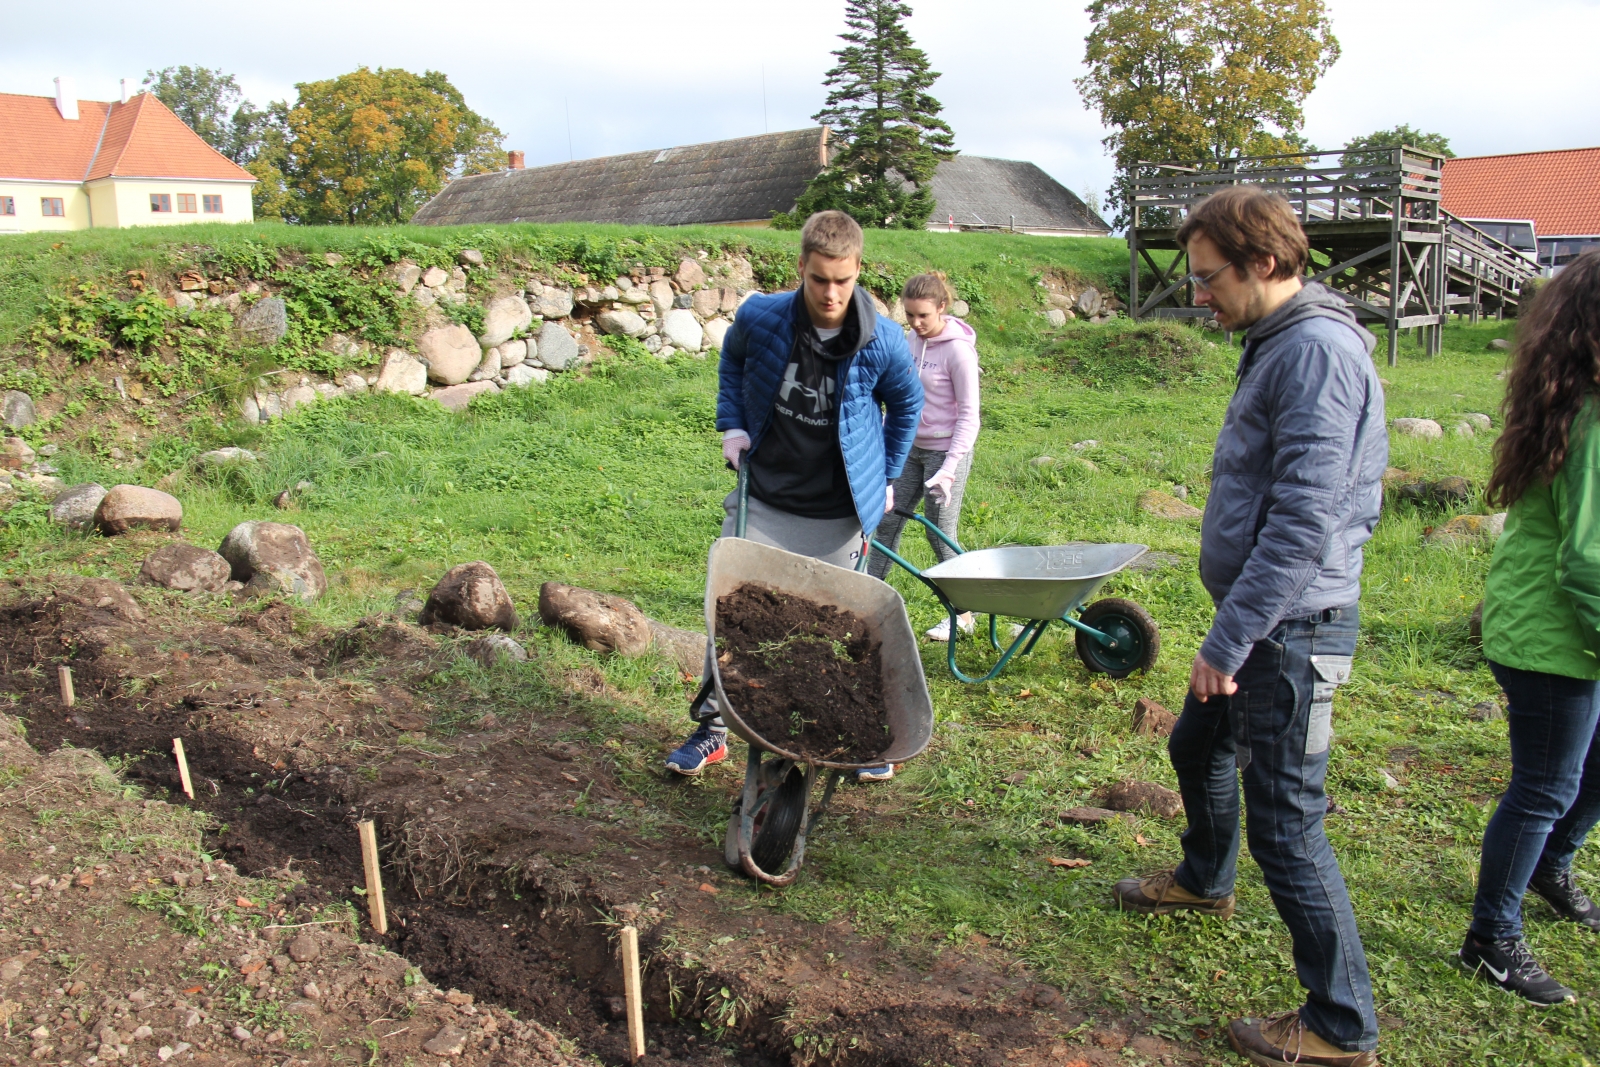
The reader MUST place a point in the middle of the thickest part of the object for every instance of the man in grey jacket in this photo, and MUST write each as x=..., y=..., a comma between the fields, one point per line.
x=1296, y=486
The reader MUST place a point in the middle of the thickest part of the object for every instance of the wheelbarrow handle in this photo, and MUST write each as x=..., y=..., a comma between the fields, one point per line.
x=742, y=516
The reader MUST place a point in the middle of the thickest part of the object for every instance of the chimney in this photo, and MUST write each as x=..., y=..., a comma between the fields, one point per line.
x=125, y=93
x=514, y=160
x=66, y=99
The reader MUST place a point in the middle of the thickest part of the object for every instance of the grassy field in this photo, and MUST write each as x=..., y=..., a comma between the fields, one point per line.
x=615, y=482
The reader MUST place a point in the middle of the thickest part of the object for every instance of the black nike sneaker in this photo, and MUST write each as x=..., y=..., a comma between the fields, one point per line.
x=1561, y=892
x=1509, y=964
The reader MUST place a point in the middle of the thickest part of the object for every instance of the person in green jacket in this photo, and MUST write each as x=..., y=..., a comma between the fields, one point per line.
x=1541, y=631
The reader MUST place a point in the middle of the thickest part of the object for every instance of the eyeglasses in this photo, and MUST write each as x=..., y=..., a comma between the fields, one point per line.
x=1204, y=283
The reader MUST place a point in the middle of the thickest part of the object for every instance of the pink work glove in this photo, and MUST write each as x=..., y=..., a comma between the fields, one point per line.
x=939, y=486
x=888, y=500
x=734, y=442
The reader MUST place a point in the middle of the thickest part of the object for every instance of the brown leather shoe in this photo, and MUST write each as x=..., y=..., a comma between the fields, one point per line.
x=1285, y=1040
x=1160, y=894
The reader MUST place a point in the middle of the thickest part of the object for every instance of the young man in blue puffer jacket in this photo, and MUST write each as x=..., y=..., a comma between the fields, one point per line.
x=823, y=405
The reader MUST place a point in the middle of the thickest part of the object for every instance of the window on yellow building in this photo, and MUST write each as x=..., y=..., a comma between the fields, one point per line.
x=186, y=203
x=8, y=205
x=160, y=202
x=52, y=206
x=212, y=204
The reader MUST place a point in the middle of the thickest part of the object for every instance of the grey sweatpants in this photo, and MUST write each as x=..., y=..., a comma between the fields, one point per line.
x=835, y=541
x=921, y=464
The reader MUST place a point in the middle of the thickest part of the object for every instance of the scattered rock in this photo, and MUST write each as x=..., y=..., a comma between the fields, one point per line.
x=661, y=297
x=493, y=648
x=401, y=373
x=187, y=568
x=129, y=507
x=488, y=368
x=457, y=397
x=406, y=274
x=222, y=457
x=1042, y=461
x=1136, y=796
x=284, y=501
x=1056, y=317
x=1499, y=344
x=686, y=647
x=1426, y=429
x=689, y=275
x=716, y=330
x=101, y=594
x=552, y=303
x=451, y=353
x=1090, y=816
x=16, y=410
x=1453, y=491
x=960, y=309
x=1468, y=528
x=75, y=508
x=1486, y=711
x=557, y=348
x=1478, y=421
x=682, y=330
x=435, y=277
x=597, y=621
x=524, y=374
x=267, y=321
x=470, y=257
x=241, y=1034
x=471, y=596
x=1166, y=506
x=15, y=454
x=706, y=302
x=449, y=1041
x=617, y=322
x=297, y=396
x=1089, y=302
x=504, y=316
x=514, y=354
x=1181, y=492
x=274, y=558
x=304, y=949
x=1389, y=780
x=1151, y=719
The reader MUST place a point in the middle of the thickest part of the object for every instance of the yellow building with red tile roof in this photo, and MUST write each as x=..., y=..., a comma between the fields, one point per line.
x=69, y=164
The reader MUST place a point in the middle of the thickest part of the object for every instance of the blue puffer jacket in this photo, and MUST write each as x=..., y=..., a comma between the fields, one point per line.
x=1297, y=475
x=880, y=395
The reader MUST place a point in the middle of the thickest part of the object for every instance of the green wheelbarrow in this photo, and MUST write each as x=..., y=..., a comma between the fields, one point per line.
x=1040, y=585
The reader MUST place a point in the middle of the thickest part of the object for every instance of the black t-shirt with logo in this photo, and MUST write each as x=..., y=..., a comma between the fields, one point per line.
x=799, y=467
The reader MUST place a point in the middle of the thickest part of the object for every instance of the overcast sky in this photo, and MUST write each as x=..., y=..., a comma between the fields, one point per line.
x=1492, y=75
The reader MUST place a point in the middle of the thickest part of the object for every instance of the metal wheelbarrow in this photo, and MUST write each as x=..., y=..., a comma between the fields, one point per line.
x=766, y=836
x=1041, y=585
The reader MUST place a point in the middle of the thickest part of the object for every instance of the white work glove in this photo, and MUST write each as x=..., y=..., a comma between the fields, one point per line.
x=734, y=442
x=888, y=499
x=939, y=487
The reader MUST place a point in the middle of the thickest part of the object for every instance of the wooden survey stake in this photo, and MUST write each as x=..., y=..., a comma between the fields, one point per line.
x=183, y=767
x=64, y=676
x=630, y=985
x=369, y=859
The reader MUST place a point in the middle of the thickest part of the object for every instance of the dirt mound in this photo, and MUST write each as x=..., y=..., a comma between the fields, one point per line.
x=1143, y=353
x=803, y=675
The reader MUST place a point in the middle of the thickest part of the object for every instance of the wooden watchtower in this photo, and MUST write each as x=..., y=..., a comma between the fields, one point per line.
x=1378, y=236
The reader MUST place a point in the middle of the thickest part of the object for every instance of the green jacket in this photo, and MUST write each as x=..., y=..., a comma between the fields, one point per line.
x=1541, y=605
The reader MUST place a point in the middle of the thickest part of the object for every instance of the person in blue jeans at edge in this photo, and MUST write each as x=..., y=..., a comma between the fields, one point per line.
x=825, y=400
x=1541, y=631
x=1296, y=486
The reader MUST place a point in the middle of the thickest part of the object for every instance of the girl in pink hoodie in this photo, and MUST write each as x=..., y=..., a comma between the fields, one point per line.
x=941, y=456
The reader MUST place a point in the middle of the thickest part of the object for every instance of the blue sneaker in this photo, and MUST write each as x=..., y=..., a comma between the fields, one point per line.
x=875, y=774
x=708, y=744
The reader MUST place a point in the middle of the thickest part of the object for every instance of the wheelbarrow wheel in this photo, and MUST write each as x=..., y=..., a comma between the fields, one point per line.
x=1130, y=626
x=779, y=814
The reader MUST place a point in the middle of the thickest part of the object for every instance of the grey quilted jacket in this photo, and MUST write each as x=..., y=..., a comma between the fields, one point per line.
x=1297, y=476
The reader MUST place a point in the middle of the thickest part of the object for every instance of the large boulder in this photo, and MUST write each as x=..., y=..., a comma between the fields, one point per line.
x=550, y=302
x=661, y=296
x=457, y=397
x=135, y=507
x=596, y=621
x=267, y=321
x=273, y=558
x=75, y=507
x=187, y=568
x=682, y=330
x=514, y=354
x=1426, y=429
x=618, y=322
x=706, y=302
x=299, y=396
x=489, y=368
x=1089, y=302
x=557, y=349
x=451, y=353
x=471, y=596
x=401, y=373
x=504, y=316
x=689, y=275
x=716, y=330
x=16, y=410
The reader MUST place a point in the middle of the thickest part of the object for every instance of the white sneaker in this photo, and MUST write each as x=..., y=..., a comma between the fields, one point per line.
x=941, y=632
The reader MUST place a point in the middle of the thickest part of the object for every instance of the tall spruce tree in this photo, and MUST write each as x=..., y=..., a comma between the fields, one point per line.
x=887, y=132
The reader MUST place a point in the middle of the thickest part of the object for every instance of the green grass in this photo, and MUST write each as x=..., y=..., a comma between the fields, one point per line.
x=615, y=483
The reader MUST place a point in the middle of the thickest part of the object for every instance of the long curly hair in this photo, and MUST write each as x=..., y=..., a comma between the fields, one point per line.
x=1555, y=371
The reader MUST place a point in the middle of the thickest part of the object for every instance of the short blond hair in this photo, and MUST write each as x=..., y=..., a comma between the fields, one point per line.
x=833, y=234
x=931, y=286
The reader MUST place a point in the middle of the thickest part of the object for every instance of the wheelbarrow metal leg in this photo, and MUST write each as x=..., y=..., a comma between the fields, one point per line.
x=778, y=769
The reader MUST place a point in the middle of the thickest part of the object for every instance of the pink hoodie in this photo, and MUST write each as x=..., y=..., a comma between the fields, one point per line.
x=948, y=366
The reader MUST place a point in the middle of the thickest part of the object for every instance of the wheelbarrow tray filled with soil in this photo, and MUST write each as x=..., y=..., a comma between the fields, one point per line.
x=907, y=710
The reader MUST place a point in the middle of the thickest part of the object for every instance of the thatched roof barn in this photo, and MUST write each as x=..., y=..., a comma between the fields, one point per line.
x=978, y=193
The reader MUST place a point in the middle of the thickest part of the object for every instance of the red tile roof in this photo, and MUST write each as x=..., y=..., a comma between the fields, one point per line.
x=139, y=139
x=1559, y=191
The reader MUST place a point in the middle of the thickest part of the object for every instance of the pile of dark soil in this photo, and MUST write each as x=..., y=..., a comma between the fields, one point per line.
x=803, y=675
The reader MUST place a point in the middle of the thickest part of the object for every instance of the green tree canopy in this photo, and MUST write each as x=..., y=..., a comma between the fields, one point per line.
x=1202, y=79
x=888, y=134
x=210, y=103
x=372, y=146
x=1402, y=137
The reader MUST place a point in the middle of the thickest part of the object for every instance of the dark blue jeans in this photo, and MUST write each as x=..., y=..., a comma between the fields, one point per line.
x=1554, y=797
x=1274, y=734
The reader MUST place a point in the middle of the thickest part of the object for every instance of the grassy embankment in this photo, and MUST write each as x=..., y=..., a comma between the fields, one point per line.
x=614, y=482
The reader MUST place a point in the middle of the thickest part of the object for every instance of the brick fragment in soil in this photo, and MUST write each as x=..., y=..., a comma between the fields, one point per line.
x=806, y=676
x=506, y=907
